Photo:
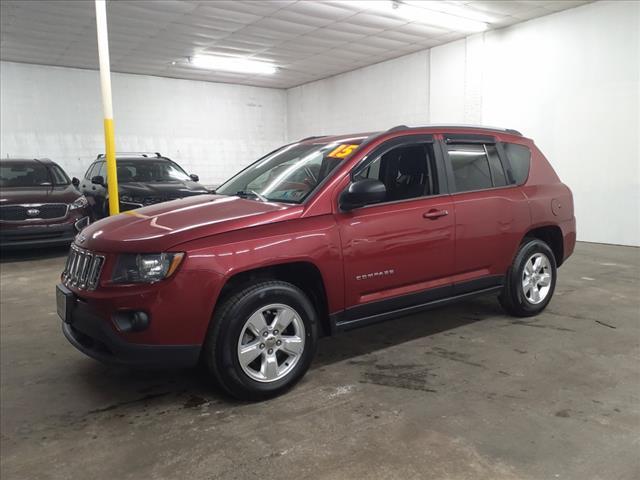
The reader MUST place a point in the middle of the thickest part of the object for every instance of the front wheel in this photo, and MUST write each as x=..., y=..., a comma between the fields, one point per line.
x=262, y=340
x=531, y=279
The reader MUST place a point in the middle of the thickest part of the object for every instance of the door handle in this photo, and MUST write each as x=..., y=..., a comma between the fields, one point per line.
x=433, y=214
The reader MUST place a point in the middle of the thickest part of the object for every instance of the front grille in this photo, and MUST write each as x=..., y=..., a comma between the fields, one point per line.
x=82, y=269
x=47, y=211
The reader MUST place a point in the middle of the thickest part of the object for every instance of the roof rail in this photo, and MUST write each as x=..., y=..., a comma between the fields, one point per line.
x=397, y=127
x=137, y=154
x=311, y=138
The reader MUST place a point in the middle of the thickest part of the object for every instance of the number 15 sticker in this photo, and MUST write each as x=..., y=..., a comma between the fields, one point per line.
x=342, y=151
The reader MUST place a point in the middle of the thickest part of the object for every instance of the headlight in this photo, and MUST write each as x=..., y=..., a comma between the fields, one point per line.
x=145, y=267
x=79, y=202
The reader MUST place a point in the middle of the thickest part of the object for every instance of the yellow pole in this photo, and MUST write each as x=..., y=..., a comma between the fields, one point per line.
x=107, y=107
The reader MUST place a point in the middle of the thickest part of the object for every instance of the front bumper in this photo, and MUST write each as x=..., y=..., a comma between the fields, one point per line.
x=36, y=236
x=90, y=334
x=40, y=233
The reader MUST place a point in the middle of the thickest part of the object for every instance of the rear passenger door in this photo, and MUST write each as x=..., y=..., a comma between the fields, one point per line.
x=491, y=212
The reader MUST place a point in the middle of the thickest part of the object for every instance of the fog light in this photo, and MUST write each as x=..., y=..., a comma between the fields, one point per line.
x=131, y=321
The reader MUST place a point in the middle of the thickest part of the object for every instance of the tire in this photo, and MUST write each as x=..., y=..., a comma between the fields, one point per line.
x=523, y=298
x=246, y=324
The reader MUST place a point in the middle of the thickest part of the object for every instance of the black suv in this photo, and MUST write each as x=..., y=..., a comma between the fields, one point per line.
x=143, y=179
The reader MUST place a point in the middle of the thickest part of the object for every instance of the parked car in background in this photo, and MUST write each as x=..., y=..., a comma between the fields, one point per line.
x=143, y=179
x=320, y=236
x=39, y=204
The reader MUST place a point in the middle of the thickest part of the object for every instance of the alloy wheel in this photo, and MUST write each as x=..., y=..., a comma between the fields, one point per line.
x=271, y=343
x=536, y=278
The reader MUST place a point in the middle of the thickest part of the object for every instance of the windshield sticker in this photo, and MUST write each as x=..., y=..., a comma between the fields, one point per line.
x=342, y=151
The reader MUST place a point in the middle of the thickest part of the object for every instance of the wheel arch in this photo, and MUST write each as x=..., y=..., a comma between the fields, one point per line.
x=552, y=236
x=303, y=274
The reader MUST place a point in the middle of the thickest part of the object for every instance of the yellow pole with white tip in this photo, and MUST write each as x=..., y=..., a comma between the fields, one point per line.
x=107, y=107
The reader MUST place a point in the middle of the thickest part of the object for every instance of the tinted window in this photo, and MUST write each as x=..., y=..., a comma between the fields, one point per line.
x=497, y=172
x=470, y=166
x=406, y=171
x=520, y=159
x=100, y=171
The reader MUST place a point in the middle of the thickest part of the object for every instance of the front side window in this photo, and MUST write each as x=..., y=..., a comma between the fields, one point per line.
x=407, y=171
x=291, y=173
x=91, y=171
x=58, y=175
x=475, y=166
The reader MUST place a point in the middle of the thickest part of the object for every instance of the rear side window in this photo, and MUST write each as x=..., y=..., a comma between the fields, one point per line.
x=475, y=166
x=520, y=159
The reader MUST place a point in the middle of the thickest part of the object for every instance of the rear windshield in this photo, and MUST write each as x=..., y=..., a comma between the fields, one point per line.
x=31, y=174
x=291, y=173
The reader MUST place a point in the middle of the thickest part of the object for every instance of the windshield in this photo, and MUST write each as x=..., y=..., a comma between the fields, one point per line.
x=291, y=173
x=150, y=171
x=31, y=174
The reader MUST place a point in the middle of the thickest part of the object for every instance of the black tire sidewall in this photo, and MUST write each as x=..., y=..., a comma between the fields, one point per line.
x=228, y=366
x=519, y=300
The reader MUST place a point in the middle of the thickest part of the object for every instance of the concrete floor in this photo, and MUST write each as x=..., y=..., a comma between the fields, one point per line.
x=463, y=392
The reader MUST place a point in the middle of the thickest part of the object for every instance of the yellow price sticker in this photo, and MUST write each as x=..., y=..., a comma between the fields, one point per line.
x=342, y=151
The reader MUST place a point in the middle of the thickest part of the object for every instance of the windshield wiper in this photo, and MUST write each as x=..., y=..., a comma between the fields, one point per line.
x=251, y=193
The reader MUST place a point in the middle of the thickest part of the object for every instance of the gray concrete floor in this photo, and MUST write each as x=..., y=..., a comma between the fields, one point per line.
x=464, y=392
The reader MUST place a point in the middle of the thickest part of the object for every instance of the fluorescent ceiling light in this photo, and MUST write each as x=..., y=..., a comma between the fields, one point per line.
x=421, y=12
x=463, y=11
x=233, y=64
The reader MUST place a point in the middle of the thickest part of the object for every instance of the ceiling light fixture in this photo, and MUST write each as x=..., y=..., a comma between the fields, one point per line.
x=232, y=64
x=463, y=11
x=419, y=11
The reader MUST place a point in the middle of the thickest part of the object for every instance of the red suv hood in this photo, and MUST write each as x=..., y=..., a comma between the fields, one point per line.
x=159, y=227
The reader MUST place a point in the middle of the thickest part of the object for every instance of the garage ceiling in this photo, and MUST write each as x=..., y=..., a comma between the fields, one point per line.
x=307, y=40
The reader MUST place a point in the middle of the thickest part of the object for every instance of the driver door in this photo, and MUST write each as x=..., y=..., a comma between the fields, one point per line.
x=400, y=252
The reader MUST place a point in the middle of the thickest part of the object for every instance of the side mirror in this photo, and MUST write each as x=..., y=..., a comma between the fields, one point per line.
x=75, y=182
x=361, y=193
x=98, y=180
x=194, y=177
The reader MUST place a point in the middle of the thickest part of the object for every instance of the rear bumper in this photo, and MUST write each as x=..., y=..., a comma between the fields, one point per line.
x=568, y=228
x=94, y=337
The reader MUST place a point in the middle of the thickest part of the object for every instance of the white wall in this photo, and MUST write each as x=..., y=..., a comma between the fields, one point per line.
x=569, y=80
x=211, y=129
x=370, y=98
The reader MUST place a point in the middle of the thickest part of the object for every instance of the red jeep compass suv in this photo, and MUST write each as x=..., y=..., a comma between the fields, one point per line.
x=319, y=236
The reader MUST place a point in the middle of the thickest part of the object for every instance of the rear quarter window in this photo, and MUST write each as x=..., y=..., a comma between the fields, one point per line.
x=520, y=159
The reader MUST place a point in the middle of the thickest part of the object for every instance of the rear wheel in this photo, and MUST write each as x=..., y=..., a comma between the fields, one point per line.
x=262, y=340
x=531, y=279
